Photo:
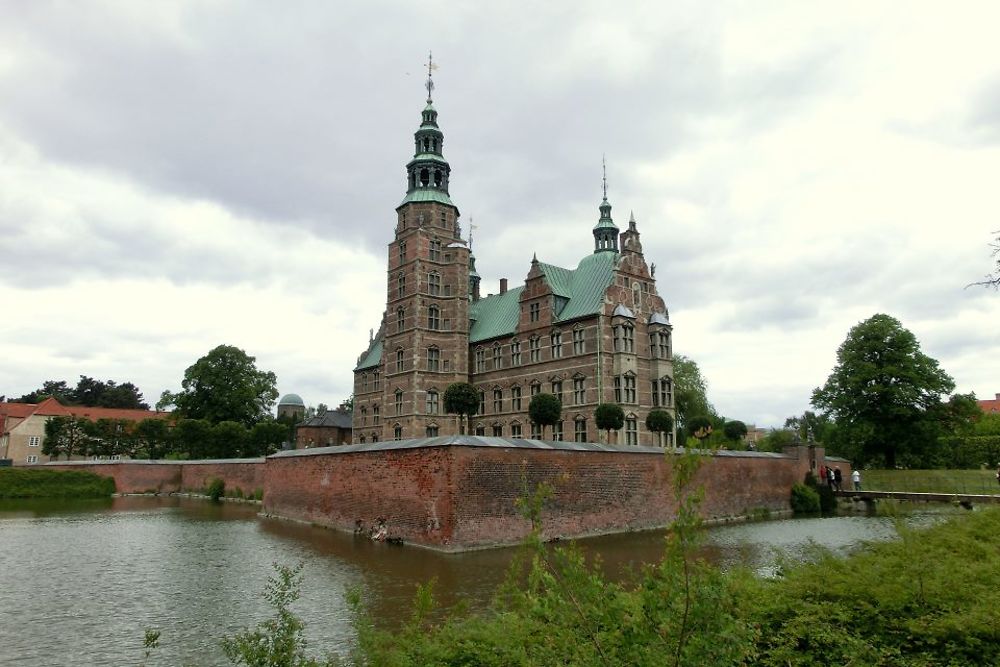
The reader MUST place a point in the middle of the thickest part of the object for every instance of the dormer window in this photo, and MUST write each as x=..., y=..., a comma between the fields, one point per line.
x=534, y=311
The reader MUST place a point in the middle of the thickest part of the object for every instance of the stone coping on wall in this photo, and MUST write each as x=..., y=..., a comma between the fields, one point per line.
x=152, y=462
x=503, y=443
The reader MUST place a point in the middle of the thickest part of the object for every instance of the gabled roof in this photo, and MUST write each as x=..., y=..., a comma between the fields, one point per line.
x=17, y=410
x=583, y=287
x=330, y=418
x=51, y=407
x=373, y=355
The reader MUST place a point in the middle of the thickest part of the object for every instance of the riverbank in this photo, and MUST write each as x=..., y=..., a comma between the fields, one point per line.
x=42, y=483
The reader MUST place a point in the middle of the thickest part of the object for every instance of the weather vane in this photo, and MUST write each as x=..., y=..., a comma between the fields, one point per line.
x=604, y=170
x=472, y=228
x=430, y=70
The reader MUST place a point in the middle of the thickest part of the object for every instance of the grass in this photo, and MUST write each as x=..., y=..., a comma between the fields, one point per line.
x=930, y=481
x=36, y=483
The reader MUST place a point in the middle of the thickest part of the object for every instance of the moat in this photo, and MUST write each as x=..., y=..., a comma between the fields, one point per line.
x=83, y=580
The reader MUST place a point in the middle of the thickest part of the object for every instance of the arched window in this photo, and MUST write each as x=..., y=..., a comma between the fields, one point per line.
x=400, y=319
x=400, y=286
x=425, y=177
x=580, y=429
x=399, y=360
x=397, y=432
x=399, y=402
x=433, y=318
x=497, y=356
x=434, y=283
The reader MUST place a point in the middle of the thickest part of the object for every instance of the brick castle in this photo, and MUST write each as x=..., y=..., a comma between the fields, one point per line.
x=599, y=333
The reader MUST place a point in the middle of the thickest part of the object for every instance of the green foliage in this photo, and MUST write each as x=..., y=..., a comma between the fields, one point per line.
x=192, y=437
x=699, y=426
x=461, y=399
x=810, y=427
x=734, y=430
x=216, y=489
x=609, y=417
x=152, y=438
x=805, y=499
x=42, y=483
x=827, y=501
x=266, y=438
x=89, y=392
x=278, y=641
x=926, y=599
x=884, y=393
x=776, y=440
x=228, y=440
x=224, y=385
x=933, y=481
x=545, y=409
x=659, y=421
x=68, y=436
x=690, y=391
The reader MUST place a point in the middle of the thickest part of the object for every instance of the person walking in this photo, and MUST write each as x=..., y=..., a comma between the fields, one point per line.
x=856, y=478
x=838, y=479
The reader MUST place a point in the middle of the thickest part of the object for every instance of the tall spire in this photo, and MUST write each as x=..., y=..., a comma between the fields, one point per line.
x=605, y=231
x=430, y=80
x=427, y=174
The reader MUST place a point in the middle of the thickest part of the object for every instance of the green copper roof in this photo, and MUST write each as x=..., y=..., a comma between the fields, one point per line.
x=606, y=224
x=432, y=157
x=584, y=288
x=427, y=194
x=372, y=357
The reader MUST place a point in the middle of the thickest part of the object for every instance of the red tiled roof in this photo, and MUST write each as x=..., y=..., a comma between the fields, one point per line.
x=50, y=407
x=990, y=404
x=17, y=409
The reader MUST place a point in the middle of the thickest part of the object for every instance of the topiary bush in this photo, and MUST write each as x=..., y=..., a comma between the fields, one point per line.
x=805, y=500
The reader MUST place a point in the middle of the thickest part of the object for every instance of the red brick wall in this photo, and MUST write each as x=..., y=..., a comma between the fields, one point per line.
x=247, y=475
x=174, y=476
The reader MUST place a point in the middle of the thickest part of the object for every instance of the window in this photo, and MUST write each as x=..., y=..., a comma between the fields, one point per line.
x=556, y=340
x=533, y=311
x=434, y=283
x=536, y=431
x=433, y=359
x=364, y=416
x=535, y=349
x=480, y=429
x=630, y=396
x=432, y=402
x=435, y=250
x=631, y=431
x=400, y=319
x=361, y=439
x=515, y=353
x=402, y=249
x=433, y=318
x=624, y=338
x=497, y=357
x=399, y=402
x=515, y=430
x=498, y=400
x=399, y=360
x=497, y=430
x=557, y=430
x=662, y=392
x=432, y=431
x=580, y=430
x=480, y=360
x=579, y=347
x=32, y=458
x=374, y=437
x=536, y=388
x=364, y=387
x=400, y=285
x=659, y=345
x=664, y=344
x=654, y=345
x=557, y=389
x=482, y=403
x=579, y=391
x=636, y=297
x=515, y=398
x=34, y=440
x=618, y=389
x=397, y=432
x=377, y=375
x=375, y=417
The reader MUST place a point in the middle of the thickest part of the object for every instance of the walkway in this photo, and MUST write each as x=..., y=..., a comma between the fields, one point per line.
x=962, y=498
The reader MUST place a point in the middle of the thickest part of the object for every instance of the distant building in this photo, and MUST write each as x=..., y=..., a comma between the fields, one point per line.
x=292, y=407
x=22, y=425
x=599, y=333
x=990, y=404
x=325, y=429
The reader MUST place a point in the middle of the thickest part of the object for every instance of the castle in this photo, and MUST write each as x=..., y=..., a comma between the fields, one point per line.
x=599, y=333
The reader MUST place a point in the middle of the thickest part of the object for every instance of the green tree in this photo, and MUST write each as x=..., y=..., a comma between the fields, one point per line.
x=224, y=385
x=266, y=438
x=734, y=430
x=152, y=437
x=881, y=390
x=690, y=391
x=609, y=417
x=67, y=436
x=192, y=438
x=461, y=399
x=228, y=440
x=776, y=440
x=57, y=389
x=545, y=410
x=810, y=426
x=700, y=427
x=659, y=422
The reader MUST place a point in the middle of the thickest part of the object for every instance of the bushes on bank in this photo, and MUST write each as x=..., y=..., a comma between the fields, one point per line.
x=216, y=488
x=41, y=483
x=805, y=499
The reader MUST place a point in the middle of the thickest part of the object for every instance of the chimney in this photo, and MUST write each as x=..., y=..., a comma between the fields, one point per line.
x=503, y=290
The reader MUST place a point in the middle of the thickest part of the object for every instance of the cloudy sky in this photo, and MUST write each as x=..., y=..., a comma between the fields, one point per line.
x=178, y=175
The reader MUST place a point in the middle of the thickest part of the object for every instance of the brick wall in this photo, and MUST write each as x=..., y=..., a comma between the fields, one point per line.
x=174, y=476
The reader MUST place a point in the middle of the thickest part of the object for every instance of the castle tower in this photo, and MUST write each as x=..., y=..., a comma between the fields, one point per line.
x=605, y=231
x=426, y=324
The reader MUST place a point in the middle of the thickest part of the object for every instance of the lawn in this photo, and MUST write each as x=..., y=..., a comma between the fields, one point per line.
x=930, y=481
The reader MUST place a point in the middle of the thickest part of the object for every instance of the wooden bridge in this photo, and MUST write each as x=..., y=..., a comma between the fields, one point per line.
x=964, y=499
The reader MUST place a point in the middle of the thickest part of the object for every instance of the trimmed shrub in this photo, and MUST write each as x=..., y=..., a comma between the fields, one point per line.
x=41, y=483
x=805, y=500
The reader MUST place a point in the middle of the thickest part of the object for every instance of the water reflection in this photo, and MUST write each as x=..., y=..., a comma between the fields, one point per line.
x=102, y=571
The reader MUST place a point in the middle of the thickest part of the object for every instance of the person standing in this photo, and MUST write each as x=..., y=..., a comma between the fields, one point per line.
x=838, y=479
x=998, y=474
x=856, y=478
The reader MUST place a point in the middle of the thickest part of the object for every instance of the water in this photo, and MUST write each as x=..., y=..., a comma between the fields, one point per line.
x=83, y=580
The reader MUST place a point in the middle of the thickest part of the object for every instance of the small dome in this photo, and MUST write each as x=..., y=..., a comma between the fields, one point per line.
x=291, y=399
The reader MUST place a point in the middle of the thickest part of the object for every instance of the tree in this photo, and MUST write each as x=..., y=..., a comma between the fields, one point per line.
x=224, y=385
x=734, y=430
x=776, y=440
x=192, y=437
x=690, y=391
x=69, y=436
x=882, y=389
x=266, y=438
x=700, y=426
x=545, y=410
x=228, y=440
x=461, y=399
x=91, y=393
x=609, y=417
x=659, y=421
x=57, y=389
x=810, y=427
x=152, y=437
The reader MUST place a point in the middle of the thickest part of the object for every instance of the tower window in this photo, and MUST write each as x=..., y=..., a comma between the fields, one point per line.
x=435, y=250
x=432, y=402
x=482, y=404
x=425, y=177
x=400, y=319
x=433, y=359
x=399, y=360
x=375, y=417
x=533, y=312
x=433, y=318
x=515, y=398
x=400, y=285
x=399, y=402
x=402, y=248
x=515, y=353
x=434, y=283
x=579, y=347
x=556, y=340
